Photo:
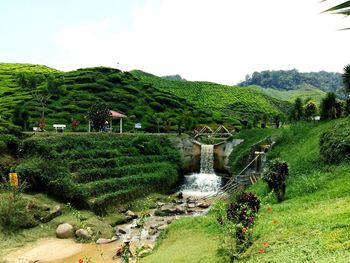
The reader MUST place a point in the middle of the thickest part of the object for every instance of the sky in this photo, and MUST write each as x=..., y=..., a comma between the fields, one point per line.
x=211, y=40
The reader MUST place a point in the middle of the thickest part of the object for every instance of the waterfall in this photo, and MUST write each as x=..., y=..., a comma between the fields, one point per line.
x=206, y=182
x=207, y=159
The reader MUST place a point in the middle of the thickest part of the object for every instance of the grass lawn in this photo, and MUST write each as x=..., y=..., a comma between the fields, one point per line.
x=188, y=240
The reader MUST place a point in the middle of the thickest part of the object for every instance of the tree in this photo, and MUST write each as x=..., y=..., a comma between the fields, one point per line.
x=20, y=116
x=346, y=78
x=310, y=110
x=32, y=82
x=98, y=115
x=277, y=120
x=328, y=106
x=298, y=111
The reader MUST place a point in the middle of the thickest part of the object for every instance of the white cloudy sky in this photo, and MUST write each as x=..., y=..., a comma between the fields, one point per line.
x=220, y=41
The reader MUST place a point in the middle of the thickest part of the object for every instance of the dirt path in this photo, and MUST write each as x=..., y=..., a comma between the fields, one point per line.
x=62, y=251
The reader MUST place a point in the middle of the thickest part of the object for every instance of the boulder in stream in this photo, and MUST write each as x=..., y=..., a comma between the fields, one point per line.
x=65, y=231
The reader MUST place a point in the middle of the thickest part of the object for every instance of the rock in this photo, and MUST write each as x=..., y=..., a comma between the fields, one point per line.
x=180, y=209
x=179, y=195
x=102, y=241
x=160, y=204
x=169, y=220
x=168, y=209
x=121, y=231
x=191, y=200
x=162, y=227
x=152, y=231
x=191, y=205
x=203, y=204
x=65, y=231
x=82, y=233
x=144, y=253
x=131, y=215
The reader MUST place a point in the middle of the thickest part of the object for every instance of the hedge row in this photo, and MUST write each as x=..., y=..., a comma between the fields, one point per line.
x=88, y=175
x=149, y=184
x=87, y=163
x=161, y=179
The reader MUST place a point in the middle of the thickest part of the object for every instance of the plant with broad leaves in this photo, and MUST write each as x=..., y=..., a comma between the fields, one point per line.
x=275, y=175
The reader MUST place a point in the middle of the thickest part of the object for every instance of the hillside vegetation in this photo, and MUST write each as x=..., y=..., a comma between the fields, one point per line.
x=77, y=91
x=98, y=170
x=232, y=101
x=311, y=225
x=294, y=80
x=303, y=92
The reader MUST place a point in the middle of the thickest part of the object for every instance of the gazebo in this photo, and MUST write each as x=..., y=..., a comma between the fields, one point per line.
x=116, y=115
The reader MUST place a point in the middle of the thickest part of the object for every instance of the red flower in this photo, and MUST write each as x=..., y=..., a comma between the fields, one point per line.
x=81, y=261
x=265, y=243
x=262, y=250
x=244, y=230
x=274, y=222
x=268, y=209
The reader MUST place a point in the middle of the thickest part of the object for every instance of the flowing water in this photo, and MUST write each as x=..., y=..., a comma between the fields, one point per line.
x=206, y=182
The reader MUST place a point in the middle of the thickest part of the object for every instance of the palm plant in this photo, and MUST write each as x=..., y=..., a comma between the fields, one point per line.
x=342, y=9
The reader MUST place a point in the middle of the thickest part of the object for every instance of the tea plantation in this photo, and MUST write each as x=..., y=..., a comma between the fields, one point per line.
x=97, y=171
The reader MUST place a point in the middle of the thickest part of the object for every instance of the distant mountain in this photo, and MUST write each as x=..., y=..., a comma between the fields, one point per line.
x=173, y=77
x=293, y=80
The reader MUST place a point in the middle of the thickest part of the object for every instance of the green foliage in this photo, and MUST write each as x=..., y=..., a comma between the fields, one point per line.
x=210, y=97
x=292, y=79
x=335, y=142
x=303, y=91
x=297, y=112
x=330, y=108
x=99, y=170
x=98, y=114
x=13, y=208
x=62, y=96
x=275, y=174
x=236, y=222
x=346, y=78
x=310, y=109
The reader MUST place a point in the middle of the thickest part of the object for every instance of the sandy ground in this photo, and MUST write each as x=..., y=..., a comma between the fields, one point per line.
x=62, y=251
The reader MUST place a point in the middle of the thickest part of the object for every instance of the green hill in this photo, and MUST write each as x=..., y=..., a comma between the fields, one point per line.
x=78, y=90
x=295, y=80
x=304, y=92
x=143, y=97
x=227, y=100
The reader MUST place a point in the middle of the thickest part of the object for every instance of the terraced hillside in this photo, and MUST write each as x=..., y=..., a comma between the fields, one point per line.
x=229, y=100
x=99, y=170
x=78, y=90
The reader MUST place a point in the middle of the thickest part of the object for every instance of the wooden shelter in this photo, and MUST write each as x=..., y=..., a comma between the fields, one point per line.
x=116, y=115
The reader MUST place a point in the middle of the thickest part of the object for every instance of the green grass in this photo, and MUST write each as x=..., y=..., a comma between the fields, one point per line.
x=304, y=92
x=312, y=224
x=9, y=241
x=241, y=153
x=187, y=240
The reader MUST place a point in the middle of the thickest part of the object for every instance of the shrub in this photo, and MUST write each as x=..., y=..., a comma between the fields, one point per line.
x=13, y=212
x=236, y=221
x=335, y=143
x=275, y=175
